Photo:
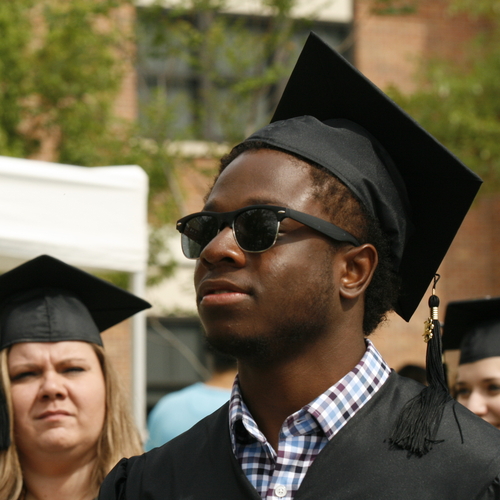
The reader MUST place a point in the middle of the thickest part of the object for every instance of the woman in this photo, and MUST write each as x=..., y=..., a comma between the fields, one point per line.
x=474, y=326
x=64, y=421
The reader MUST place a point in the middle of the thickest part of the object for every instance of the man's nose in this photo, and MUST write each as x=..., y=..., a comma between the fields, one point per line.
x=222, y=247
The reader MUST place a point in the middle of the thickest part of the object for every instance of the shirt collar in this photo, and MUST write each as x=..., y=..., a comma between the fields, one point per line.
x=331, y=410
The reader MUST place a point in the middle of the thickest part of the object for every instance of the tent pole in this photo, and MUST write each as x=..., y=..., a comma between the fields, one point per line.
x=139, y=356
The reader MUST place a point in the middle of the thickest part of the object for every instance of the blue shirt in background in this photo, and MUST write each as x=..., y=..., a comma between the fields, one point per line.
x=179, y=411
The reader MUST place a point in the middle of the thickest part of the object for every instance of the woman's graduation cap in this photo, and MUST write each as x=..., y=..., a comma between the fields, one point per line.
x=473, y=326
x=47, y=300
x=419, y=192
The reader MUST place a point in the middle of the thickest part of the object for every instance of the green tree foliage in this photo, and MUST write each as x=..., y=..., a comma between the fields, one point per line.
x=230, y=66
x=14, y=73
x=59, y=74
x=459, y=103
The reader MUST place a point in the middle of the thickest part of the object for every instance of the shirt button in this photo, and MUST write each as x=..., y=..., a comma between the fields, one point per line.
x=280, y=491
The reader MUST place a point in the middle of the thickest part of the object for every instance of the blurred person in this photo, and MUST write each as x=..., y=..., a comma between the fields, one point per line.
x=316, y=226
x=180, y=410
x=474, y=327
x=415, y=372
x=64, y=418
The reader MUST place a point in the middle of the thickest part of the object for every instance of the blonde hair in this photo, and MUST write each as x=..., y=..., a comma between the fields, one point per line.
x=119, y=437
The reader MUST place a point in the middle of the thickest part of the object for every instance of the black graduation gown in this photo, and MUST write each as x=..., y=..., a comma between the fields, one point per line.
x=357, y=463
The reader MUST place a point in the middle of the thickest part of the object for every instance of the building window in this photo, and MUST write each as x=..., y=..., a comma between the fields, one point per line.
x=223, y=91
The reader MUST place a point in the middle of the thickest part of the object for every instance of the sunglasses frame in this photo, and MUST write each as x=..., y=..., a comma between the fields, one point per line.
x=226, y=219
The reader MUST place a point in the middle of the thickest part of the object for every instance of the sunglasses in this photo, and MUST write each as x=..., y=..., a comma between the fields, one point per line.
x=255, y=228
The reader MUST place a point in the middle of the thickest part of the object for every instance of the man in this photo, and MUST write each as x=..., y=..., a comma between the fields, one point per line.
x=337, y=212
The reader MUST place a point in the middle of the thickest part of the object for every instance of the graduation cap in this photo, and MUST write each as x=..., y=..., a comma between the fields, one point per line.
x=419, y=192
x=414, y=186
x=47, y=300
x=473, y=326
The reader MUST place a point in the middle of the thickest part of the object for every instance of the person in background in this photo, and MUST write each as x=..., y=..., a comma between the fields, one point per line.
x=180, y=410
x=64, y=419
x=317, y=225
x=474, y=327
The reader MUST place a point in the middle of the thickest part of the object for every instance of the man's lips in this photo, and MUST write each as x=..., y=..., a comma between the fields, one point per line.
x=220, y=292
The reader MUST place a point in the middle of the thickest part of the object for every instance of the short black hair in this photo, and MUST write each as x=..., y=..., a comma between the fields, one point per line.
x=346, y=211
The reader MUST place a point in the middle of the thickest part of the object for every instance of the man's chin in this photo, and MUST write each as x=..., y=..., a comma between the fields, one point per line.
x=242, y=348
x=258, y=350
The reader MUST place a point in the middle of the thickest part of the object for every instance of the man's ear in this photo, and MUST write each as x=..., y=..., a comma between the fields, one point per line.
x=357, y=265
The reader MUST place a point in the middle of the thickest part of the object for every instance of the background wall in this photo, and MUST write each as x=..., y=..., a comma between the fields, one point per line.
x=388, y=50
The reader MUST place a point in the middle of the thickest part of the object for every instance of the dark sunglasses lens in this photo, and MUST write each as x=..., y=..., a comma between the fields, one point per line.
x=256, y=229
x=197, y=234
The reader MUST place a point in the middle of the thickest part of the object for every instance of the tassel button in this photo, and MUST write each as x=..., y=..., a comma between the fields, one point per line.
x=428, y=332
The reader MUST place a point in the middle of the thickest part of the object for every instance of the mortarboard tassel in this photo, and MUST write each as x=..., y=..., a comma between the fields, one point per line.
x=4, y=422
x=417, y=424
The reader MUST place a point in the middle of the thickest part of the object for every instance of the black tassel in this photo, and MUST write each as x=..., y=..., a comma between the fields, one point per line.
x=4, y=422
x=417, y=424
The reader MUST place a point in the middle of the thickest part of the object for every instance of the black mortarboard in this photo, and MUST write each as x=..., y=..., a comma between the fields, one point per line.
x=414, y=186
x=419, y=192
x=47, y=300
x=473, y=326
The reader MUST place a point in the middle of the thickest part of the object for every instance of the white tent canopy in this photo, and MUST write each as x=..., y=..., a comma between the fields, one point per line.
x=94, y=218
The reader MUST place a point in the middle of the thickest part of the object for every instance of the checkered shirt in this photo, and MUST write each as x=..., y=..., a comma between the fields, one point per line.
x=278, y=475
